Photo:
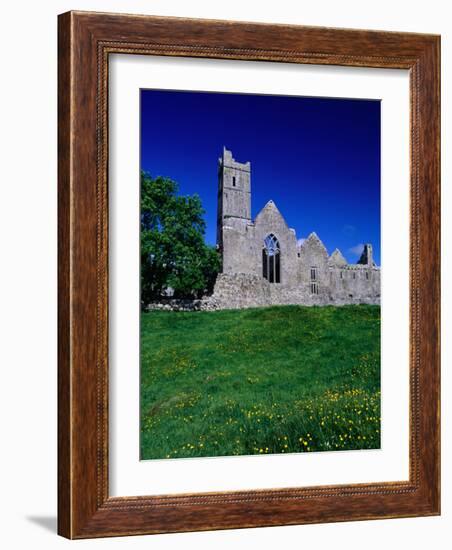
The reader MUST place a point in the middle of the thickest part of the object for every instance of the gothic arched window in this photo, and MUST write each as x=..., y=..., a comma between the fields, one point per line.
x=271, y=259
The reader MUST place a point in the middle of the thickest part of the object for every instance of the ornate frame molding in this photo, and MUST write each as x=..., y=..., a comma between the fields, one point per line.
x=85, y=42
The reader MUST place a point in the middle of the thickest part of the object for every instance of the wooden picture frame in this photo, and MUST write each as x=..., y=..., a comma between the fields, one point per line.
x=86, y=40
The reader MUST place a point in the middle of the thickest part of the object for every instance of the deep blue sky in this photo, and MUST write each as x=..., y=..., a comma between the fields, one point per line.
x=318, y=159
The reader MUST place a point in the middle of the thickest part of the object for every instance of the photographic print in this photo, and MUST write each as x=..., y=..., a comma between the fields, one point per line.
x=260, y=274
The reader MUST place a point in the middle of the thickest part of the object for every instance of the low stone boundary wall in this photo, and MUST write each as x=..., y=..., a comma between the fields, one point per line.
x=175, y=304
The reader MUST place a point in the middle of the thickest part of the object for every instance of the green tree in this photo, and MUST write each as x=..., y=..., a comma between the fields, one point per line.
x=173, y=252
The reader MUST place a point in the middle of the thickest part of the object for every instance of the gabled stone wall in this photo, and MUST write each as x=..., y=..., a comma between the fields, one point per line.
x=307, y=274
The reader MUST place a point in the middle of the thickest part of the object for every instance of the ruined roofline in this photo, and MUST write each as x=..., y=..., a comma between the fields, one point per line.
x=238, y=167
x=337, y=252
x=337, y=258
x=358, y=265
x=271, y=204
x=227, y=216
x=354, y=267
x=228, y=161
x=366, y=255
x=312, y=237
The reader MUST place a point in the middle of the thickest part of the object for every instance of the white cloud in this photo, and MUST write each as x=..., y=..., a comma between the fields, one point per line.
x=300, y=241
x=357, y=250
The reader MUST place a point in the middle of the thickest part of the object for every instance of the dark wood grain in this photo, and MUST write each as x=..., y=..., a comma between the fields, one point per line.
x=85, y=42
x=64, y=295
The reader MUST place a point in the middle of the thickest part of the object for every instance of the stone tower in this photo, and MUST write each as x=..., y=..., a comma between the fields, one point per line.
x=234, y=195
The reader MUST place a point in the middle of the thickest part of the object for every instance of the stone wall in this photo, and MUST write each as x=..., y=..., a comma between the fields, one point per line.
x=312, y=255
x=207, y=303
x=355, y=283
x=346, y=285
x=242, y=290
x=175, y=304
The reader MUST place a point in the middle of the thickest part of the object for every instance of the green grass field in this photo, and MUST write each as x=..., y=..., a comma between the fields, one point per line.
x=269, y=380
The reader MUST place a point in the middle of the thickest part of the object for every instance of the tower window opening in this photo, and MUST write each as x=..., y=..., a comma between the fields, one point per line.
x=233, y=181
x=313, y=274
x=314, y=288
x=271, y=259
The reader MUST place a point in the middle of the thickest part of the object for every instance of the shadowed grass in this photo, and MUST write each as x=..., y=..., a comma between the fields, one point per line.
x=269, y=380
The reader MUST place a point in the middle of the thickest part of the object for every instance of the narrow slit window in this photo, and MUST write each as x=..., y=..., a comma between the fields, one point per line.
x=233, y=181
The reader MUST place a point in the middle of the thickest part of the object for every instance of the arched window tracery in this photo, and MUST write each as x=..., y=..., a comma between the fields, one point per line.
x=271, y=259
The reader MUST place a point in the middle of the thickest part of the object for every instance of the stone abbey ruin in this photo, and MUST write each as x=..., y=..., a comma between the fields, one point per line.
x=263, y=264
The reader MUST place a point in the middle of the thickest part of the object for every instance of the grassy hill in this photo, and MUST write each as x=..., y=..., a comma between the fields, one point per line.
x=269, y=380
